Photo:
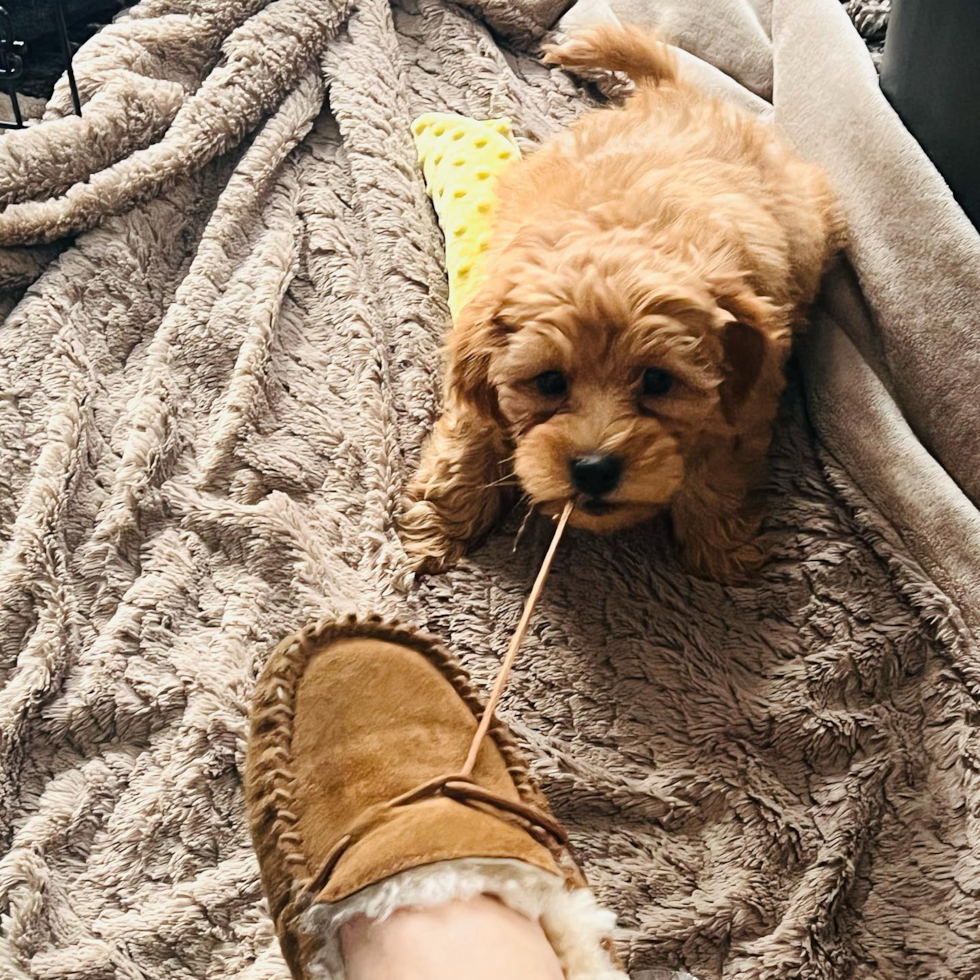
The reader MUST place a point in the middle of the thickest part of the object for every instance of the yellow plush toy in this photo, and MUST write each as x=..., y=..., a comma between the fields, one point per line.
x=461, y=160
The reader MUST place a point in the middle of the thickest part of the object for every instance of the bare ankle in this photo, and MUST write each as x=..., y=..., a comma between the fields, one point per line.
x=479, y=938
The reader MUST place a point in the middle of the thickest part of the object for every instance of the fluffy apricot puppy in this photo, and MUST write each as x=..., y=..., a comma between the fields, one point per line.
x=646, y=270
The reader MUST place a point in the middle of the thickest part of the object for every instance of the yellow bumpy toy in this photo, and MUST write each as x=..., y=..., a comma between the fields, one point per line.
x=461, y=160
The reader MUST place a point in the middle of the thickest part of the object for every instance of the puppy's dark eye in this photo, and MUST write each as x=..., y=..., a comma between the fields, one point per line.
x=551, y=384
x=656, y=382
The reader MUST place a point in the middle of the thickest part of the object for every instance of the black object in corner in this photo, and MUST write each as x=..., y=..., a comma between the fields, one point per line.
x=930, y=73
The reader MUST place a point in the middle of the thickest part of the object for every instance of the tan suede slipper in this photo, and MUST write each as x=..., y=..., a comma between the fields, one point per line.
x=358, y=788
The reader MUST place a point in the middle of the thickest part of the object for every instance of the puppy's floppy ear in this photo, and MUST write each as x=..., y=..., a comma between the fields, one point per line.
x=758, y=329
x=472, y=343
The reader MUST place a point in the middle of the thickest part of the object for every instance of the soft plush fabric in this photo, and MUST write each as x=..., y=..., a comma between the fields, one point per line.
x=461, y=160
x=215, y=391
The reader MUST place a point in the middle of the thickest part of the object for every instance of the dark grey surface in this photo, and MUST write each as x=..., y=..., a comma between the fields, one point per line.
x=931, y=75
x=36, y=23
x=33, y=18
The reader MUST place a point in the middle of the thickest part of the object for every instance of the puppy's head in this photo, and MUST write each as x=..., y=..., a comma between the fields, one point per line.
x=607, y=366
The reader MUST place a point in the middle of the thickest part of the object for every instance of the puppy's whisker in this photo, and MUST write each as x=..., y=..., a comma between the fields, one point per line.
x=527, y=517
x=505, y=481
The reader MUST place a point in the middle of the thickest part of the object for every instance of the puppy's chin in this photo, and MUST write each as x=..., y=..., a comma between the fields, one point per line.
x=615, y=517
x=602, y=518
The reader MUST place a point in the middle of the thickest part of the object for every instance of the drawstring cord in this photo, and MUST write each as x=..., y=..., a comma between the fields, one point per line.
x=515, y=644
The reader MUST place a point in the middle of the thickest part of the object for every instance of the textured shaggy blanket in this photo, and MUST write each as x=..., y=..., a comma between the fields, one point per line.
x=223, y=299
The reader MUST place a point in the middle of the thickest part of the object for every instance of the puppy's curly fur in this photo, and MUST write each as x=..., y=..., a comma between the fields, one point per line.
x=647, y=268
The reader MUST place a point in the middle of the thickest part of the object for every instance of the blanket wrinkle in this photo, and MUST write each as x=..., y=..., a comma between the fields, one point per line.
x=223, y=296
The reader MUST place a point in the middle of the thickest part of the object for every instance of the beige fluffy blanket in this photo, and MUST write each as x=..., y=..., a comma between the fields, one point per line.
x=224, y=295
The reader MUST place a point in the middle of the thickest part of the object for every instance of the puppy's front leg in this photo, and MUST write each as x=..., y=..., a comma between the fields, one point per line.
x=457, y=494
x=716, y=517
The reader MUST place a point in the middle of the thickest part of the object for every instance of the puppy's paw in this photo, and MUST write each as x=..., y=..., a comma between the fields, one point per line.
x=728, y=565
x=573, y=51
x=718, y=542
x=581, y=54
x=551, y=52
x=428, y=542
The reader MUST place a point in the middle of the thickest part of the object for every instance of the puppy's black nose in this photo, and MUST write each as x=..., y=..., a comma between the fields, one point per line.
x=596, y=475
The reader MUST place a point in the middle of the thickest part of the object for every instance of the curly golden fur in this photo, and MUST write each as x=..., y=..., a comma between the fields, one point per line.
x=646, y=270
